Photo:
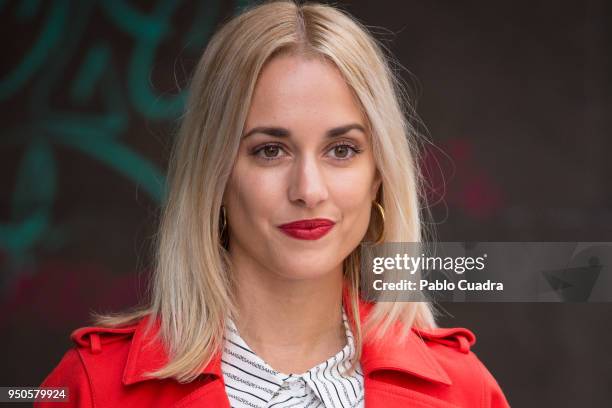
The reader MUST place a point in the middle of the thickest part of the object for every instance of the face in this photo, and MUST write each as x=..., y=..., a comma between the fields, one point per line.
x=305, y=154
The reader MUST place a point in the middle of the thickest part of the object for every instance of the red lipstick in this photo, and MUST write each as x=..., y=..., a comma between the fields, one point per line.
x=307, y=229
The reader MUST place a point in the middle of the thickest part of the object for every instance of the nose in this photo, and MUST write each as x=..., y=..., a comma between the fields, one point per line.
x=307, y=186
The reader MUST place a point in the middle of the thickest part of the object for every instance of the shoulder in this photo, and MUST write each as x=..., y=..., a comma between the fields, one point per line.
x=112, y=367
x=96, y=361
x=452, y=349
x=103, y=349
x=103, y=345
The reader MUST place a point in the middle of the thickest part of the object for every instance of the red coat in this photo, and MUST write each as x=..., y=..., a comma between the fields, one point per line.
x=433, y=368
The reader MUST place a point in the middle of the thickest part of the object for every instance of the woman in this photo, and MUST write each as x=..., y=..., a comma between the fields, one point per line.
x=292, y=151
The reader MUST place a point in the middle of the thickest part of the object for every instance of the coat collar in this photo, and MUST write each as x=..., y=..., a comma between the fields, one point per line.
x=411, y=356
x=147, y=354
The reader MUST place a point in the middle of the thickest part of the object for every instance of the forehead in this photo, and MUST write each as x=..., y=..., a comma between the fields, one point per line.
x=294, y=89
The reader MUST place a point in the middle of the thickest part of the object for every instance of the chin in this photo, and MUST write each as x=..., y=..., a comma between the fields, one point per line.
x=306, y=269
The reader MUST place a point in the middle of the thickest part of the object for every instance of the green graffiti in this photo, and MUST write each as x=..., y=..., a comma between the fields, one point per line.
x=143, y=27
x=48, y=38
x=148, y=30
x=143, y=97
x=121, y=159
x=36, y=180
x=96, y=76
x=90, y=73
x=88, y=127
x=32, y=199
x=19, y=237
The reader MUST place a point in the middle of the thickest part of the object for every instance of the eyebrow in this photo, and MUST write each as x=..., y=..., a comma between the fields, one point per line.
x=282, y=132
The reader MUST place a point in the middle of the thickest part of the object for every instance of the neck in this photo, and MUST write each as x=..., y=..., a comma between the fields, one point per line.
x=291, y=324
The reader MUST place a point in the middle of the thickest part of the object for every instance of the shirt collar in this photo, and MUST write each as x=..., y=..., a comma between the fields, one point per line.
x=237, y=355
x=411, y=356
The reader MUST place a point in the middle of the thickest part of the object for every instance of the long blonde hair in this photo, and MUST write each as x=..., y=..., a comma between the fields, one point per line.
x=191, y=291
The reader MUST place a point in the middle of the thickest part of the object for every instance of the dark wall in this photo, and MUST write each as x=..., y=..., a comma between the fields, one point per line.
x=518, y=94
x=515, y=95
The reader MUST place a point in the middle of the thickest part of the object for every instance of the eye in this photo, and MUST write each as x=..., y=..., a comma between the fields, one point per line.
x=344, y=151
x=268, y=151
x=273, y=151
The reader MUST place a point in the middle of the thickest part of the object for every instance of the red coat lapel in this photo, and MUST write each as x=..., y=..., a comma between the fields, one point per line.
x=147, y=354
x=402, y=362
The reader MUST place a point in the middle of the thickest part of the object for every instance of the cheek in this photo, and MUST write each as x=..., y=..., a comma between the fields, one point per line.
x=352, y=193
x=254, y=192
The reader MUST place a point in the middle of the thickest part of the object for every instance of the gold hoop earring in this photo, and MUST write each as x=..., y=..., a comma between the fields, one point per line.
x=381, y=210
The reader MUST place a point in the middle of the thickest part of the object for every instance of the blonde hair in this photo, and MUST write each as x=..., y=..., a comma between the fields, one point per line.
x=192, y=288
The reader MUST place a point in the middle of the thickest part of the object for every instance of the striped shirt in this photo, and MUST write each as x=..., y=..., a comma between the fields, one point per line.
x=251, y=383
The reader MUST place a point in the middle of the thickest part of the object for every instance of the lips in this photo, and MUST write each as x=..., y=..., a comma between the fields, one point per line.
x=307, y=229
